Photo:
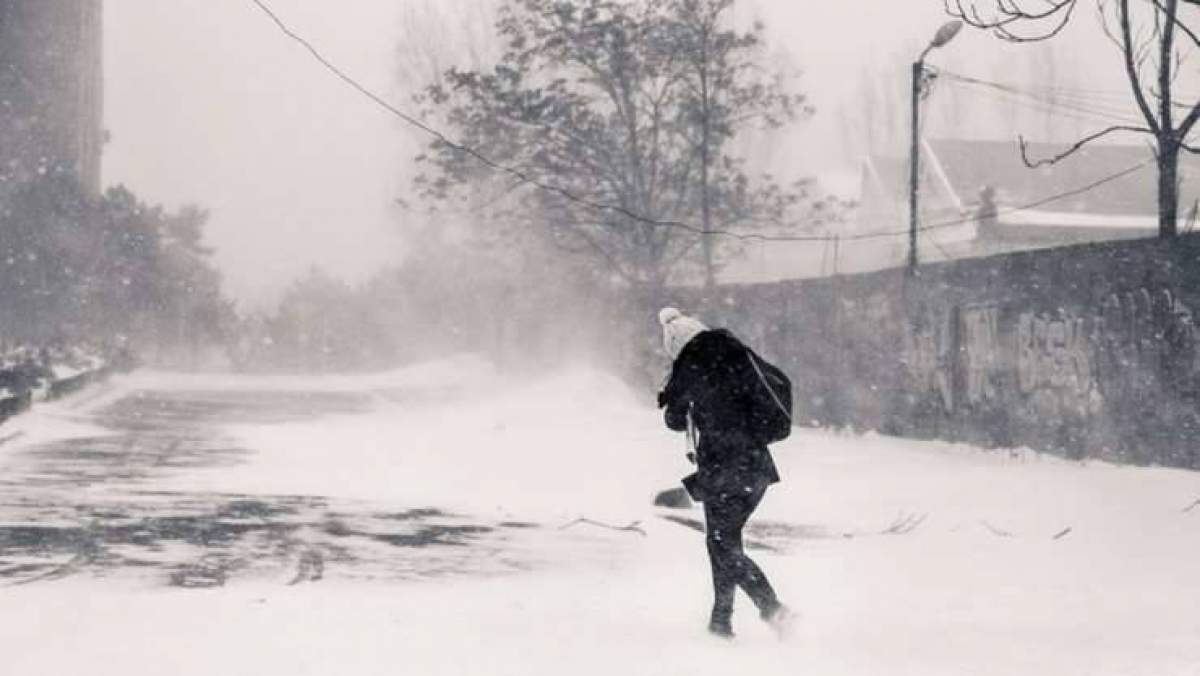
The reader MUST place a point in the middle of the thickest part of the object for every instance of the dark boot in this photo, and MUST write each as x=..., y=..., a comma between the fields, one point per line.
x=781, y=619
x=720, y=628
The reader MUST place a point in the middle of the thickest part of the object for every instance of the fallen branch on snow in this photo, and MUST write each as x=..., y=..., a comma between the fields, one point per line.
x=998, y=532
x=56, y=573
x=904, y=523
x=634, y=527
x=1062, y=533
x=687, y=522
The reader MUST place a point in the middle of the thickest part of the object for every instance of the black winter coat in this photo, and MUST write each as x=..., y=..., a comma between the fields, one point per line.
x=712, y=378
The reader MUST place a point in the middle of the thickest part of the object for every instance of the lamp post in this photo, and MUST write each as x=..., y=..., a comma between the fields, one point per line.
x=945, y=34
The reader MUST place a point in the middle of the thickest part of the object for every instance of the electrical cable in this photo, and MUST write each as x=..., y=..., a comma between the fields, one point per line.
x=1048, y=104
x=524, y=178
x=1024, y=207
x=519, y=174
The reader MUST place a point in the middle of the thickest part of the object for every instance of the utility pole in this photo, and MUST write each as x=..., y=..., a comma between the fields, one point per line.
x=914, y=166
x=945, y=34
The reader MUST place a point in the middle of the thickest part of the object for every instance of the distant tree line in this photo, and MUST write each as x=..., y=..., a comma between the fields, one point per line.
x=646, y=108
x=445, y=299
x=320, y=324
x=641, y=107
x=76, y=268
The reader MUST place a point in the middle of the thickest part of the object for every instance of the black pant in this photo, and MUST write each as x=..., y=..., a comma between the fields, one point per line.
x=725, y=515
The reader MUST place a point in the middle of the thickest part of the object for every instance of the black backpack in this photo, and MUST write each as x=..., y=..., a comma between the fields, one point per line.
x=770, y=400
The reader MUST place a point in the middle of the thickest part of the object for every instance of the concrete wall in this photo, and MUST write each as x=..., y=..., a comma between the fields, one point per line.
x=1087, y=350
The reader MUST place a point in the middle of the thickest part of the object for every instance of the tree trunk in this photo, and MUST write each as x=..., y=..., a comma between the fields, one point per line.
x=1168, y=188
x=706, y=239
x=1168, y=143
x=710, y=276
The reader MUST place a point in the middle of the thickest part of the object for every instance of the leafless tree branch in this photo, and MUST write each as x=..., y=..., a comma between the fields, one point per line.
x=1102, y=10
x=904, y=523
x=634, y=527
x=1010, y=13
x=1033, y=164
x=1131, y=69
x=1185, y=127
x=1174, y=17
x=604, y=253
x=998, y=532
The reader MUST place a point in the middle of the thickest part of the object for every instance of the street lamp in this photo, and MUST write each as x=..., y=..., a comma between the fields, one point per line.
x=945, y=34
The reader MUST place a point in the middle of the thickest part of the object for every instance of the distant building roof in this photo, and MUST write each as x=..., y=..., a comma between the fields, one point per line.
x=1074, y=200
x=1052, y=205
x=972, y=165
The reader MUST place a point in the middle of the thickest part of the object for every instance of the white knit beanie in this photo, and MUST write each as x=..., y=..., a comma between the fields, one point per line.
x=678, y=329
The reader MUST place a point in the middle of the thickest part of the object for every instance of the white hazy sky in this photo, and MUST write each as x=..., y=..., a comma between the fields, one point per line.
x=208, y=103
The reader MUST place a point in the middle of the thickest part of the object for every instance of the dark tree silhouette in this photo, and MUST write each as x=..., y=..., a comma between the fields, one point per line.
x=628, y=104
x=82, y=268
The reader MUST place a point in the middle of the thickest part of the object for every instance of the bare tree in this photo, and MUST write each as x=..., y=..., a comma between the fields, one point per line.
x=627, y=109
x=437, y=35
x=727, y=88
x=1155, y=38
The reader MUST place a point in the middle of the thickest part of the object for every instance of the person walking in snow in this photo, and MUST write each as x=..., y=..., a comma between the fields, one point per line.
x=707, y=395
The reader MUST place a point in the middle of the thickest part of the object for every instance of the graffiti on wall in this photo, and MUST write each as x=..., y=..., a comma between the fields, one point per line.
x=1145, y=336
x=1092, y=350
x=1062, y=363
x=875, y=310
x=982, y=354
x=1054, y=363
x=929, y=358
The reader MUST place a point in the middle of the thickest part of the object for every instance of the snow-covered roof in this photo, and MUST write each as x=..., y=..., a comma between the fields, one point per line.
x=1071, y=219
x=955, y=172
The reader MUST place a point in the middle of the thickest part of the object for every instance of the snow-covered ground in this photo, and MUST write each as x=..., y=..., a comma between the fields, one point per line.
x=999, y=563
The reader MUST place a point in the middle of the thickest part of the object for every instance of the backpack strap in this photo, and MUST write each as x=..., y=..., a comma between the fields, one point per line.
x=693, y=437
x=763, y=379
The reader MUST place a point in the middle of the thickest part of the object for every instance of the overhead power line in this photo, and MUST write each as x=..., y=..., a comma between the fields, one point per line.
x=1043, y=201
x=521, y=175
x=1047, y=100
x=524, y=178
x=1010, y=210
x=1052, y=198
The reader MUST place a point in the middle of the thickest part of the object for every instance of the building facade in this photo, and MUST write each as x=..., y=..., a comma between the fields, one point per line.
x=51, y=91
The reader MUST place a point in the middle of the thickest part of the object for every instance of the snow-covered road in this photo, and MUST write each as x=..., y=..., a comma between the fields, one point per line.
x=434, y=520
